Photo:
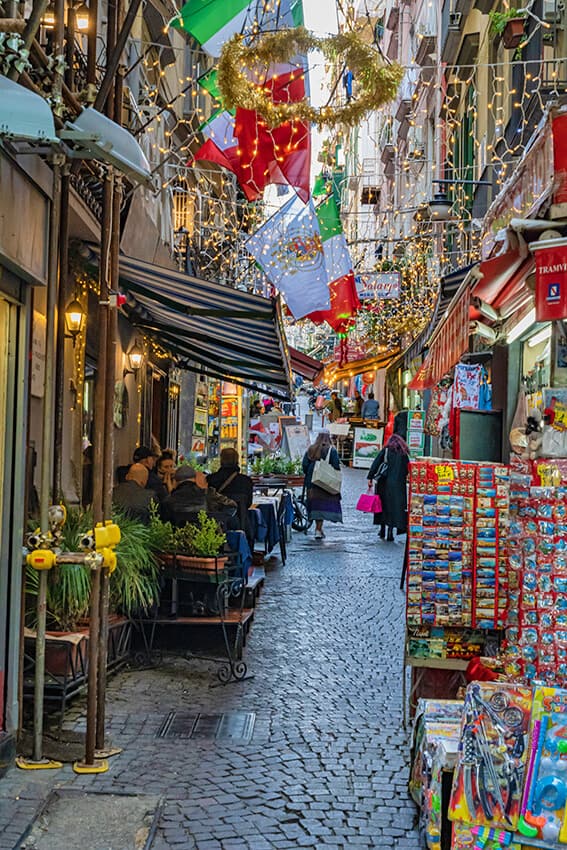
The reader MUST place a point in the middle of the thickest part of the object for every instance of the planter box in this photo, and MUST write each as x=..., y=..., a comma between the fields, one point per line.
x=276, y=479
x=513, y=34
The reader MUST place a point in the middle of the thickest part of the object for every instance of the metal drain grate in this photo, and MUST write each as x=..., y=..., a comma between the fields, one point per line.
x=236, y=726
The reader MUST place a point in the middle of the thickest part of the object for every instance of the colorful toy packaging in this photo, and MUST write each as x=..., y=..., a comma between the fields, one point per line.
x=543, y=813
x=482, y=838
x=488, y=780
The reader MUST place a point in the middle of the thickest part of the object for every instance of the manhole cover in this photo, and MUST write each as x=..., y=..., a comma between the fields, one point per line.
x=76, y=820
x=232, y=726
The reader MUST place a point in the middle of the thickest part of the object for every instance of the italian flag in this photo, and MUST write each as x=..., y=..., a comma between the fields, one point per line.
x=344, y=297
x=212, y=22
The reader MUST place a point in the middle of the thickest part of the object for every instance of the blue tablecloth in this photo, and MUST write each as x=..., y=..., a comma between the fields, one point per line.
x=264, y=524
x=238, y=543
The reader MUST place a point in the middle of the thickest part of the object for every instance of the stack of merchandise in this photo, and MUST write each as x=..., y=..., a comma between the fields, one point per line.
x=457, y=562
x=509, y=785
x=434, y=754
x=536, y=637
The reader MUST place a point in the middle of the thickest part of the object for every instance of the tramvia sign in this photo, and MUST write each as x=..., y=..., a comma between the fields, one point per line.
x=551, y=280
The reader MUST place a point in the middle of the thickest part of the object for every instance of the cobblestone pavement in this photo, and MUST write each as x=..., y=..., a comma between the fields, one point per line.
x=327, y=765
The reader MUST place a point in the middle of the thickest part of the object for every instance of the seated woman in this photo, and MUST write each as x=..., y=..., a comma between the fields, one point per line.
x=232, y=483
x=166, y=469
x=190, y=496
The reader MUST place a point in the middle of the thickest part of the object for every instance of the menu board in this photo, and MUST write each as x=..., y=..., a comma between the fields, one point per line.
x=367, y=446
x=296, y=441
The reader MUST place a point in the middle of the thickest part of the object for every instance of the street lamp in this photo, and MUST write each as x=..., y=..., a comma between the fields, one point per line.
x=82, y=17
x=135, y=359
x=74, y=319
x=440, y=208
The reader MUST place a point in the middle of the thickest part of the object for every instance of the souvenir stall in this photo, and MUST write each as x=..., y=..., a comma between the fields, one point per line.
x=509, y=788
x=459, y=416
x=456, y=571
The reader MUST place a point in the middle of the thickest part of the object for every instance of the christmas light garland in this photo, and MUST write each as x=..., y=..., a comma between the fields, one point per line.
x=376, y=83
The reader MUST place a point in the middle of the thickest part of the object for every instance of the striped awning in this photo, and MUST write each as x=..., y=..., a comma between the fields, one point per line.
x=304, y=365
x=209, y=327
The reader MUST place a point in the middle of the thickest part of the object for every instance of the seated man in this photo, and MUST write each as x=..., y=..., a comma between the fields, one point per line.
x=232, y=483
x=132, y=497
x=191, y=495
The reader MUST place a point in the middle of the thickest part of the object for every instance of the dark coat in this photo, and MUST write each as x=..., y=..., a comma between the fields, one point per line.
x=184, y=503
x=392, y=490
x=133, y=500
x=240, y=490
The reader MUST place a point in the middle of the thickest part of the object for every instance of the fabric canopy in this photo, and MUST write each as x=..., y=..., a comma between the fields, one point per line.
x=304, y=365
x=450, y=340
x=209, y=327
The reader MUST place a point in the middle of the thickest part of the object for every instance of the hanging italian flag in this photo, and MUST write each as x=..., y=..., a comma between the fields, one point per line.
x=212, y=22
x=344, y=297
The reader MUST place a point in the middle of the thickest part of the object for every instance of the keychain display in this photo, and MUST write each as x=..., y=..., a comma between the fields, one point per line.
x=536, y=634
x=488, y=780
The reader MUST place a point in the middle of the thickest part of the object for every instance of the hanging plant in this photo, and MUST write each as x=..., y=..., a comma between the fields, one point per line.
x=376, y=82
x=509, y=25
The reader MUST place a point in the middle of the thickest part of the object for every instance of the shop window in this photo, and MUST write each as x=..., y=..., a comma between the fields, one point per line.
x=536, y=360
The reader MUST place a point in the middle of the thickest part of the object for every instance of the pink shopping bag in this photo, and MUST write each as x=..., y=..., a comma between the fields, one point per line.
x=368, y=503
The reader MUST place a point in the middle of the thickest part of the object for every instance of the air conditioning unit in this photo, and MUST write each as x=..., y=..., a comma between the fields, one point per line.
x=455, y=19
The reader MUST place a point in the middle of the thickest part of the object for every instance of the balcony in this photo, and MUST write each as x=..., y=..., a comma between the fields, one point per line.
x=427, y=45
x=451, y=30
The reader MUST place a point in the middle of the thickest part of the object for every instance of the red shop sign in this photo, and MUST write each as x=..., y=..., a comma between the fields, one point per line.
x=551, y=282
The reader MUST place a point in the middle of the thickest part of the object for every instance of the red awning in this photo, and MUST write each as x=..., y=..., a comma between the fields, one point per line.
x=446, y=345
x=304, y=365
x=504, y=280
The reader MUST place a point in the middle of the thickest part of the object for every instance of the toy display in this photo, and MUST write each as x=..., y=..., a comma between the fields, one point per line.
x=482, y=838
x=544, y=805
x=487, y=786
x=434, y=752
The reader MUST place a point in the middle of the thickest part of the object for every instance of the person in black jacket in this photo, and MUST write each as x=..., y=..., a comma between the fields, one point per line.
x=392, y=487
x=231, y=482
x=189, y=497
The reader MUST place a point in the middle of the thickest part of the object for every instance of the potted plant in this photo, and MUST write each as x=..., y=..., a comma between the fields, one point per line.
x=196, y=546
x=134, y=586
x=509, y=25
x=279, y=467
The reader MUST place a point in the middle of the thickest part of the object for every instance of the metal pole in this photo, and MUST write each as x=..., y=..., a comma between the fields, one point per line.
x=114, y=58
x=60, y=347
x=91, y=42
x=90, y=764
x=46, y=452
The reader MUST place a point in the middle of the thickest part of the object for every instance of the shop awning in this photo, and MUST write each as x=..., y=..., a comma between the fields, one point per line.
x=450, y=340
x=450, y=284
x=209, y=327
x=304, y=365
x=334, y=372
x=24, y=114
x=503, y=278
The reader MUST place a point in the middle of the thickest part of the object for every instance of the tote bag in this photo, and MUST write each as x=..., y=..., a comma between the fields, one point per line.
x=326, y=476
x=368, y=503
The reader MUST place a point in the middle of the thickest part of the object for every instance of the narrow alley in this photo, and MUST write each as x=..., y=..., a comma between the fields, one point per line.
x=326, y=765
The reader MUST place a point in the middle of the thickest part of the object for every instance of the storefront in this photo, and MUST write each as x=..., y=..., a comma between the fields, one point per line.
x=22, y=342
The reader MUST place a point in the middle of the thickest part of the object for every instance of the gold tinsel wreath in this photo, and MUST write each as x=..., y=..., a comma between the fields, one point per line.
x=377, y=83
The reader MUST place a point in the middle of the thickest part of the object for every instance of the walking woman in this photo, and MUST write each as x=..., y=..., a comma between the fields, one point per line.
x=392, y=487
x=321, y=505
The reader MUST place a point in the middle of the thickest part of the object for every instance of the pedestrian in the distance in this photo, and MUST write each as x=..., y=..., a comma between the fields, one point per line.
x=392, y=487
x=335, y=407
x=321, y=505
x=370, y=408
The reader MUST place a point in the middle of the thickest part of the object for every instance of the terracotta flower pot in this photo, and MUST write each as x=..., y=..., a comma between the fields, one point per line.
x=513, y=33
x=191, y=562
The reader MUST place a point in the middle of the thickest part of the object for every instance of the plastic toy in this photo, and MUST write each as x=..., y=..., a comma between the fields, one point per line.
x=487, y=785
x=544, y=805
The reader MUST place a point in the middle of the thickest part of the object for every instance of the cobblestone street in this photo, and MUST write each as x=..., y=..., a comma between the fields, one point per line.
x=327, y=764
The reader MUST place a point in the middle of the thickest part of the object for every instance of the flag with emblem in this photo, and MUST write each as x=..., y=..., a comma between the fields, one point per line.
x=289, y=249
